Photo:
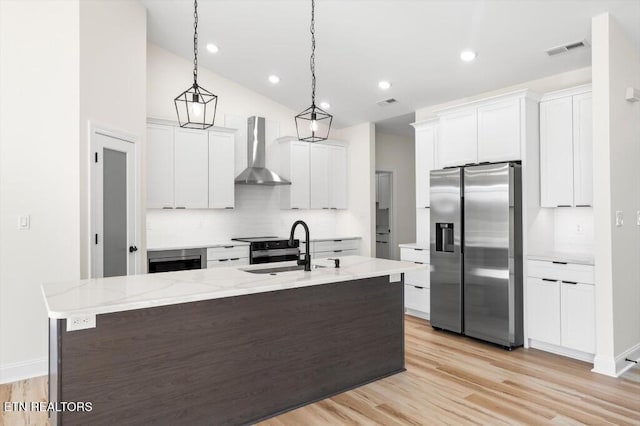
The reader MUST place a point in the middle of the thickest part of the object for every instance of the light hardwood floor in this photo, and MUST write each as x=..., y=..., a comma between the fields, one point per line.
x=450, y=380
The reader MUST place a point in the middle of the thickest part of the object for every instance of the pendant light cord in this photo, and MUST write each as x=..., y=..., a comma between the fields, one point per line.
x=313, y=53
x=195, y=43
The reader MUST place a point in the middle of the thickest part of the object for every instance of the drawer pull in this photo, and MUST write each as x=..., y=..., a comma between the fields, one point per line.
x=223, y=260
x=569, y=282
x=181, y=208
x=228, y=207
x=168, y=208
x=583, y=205
x=418, y=287
x=337, y=241
x=419, y=263
x=564, y=205
x=417, y=249
x=549, y=280
x=337, y=251
x=228, y=246
x=234, y=258
x=559, y=263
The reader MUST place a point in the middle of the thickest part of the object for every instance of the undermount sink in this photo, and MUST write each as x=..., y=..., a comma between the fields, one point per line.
x=277, y=270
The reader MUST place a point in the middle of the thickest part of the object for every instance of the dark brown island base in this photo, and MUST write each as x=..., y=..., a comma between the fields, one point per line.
x=228, y=361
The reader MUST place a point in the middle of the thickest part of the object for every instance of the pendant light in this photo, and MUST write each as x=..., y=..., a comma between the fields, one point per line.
x=196, y=106
x=313, y=124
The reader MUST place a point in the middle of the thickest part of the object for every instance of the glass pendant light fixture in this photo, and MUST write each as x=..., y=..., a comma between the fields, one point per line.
x=313, y=124
x=196, y=106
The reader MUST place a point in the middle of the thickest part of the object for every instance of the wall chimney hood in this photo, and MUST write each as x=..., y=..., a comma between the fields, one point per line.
x=256, y=173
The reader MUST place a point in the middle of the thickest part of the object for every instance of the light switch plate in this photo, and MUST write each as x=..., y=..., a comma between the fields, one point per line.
x=619, y=218
x=24, y=222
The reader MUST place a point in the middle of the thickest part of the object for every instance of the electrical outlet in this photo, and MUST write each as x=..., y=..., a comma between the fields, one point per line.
x=81, y=322
x=579, y=229
x=619, y=218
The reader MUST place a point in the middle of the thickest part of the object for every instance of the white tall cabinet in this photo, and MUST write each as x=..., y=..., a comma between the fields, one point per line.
x=566, y=157
x=319, y=176
x=425, y=140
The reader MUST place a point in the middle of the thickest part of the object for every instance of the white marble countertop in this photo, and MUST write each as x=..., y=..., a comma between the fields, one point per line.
x=415, y=246
x=116, y=294
x=550, y=256
x=205, y=244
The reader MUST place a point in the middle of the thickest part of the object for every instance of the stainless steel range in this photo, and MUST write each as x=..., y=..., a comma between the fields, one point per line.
x=271, y=249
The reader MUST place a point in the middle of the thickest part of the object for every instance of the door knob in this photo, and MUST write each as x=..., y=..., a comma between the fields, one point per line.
x=133, y=249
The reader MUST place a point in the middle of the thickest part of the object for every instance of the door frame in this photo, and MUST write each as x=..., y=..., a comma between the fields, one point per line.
x=94, y=131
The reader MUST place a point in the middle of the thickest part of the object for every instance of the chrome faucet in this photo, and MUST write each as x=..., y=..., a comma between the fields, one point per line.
x=307, y=257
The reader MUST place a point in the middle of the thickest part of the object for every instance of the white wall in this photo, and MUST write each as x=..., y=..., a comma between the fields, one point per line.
x=85, y=62
x=543, y=85
x=39, y=172
x=397, y=154
x=573, y=230
x=257, y=209
x=616, y=136
x=113, y=47
x=360, y=218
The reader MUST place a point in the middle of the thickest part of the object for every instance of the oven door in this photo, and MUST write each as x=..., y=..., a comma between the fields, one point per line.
x=275, y=255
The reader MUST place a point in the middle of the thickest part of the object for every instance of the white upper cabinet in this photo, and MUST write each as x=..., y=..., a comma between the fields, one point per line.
x=294, y=166
x=191, y=169
x=425, y=147
x=556, y=152
x=338, y=176
x=458, y=141
x=319, y=176
x=582, y=150
x=488, y=130
x=159, y=167
x=566, y=158
x=499, y=131
x=221, y=170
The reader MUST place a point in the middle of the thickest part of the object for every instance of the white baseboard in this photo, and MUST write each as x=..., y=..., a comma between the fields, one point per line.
x=615, y=367
x=419, y=314
x=23, y=370
x=561, y=350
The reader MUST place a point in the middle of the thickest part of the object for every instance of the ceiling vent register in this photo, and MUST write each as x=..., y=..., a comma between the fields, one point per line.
x=567, y=47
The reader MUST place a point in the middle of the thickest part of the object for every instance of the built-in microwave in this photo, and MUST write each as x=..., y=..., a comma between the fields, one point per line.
x=176, y=260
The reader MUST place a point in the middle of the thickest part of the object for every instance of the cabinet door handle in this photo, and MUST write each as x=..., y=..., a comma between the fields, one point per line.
x=563, y=205
x=557, y=262
x=419, y=263
x=295, y=208
x=583, y=205
x=337, y=251
x=228, y=207
x=337, y=241
x=418, y=287
x=549, y=280
x=228, y=247
x=235, y=258
x=168, y=208
x=417, y=249
x=181, y=208
x=569, y=282
x=222, y=260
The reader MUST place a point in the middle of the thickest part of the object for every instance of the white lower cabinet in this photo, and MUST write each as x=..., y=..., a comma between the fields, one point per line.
x=561, y=310
x=417, y=291
x=578, y=316
x=228, y=255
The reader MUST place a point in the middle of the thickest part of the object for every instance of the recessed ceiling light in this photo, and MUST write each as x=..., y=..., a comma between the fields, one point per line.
x=274, y=79
x=212, y=48
x=325, y=105
x=384, y=84
x=467, y=55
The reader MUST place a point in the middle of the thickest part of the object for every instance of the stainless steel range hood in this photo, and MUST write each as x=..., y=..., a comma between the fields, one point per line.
x=256, y=173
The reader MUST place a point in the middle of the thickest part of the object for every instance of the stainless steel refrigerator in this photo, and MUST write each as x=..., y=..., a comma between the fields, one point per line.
x=476, y=252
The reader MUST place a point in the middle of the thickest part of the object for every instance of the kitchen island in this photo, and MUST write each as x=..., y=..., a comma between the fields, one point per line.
x=225, y=345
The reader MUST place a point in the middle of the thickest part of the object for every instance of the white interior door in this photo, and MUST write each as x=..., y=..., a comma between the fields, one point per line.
x=113, y=206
